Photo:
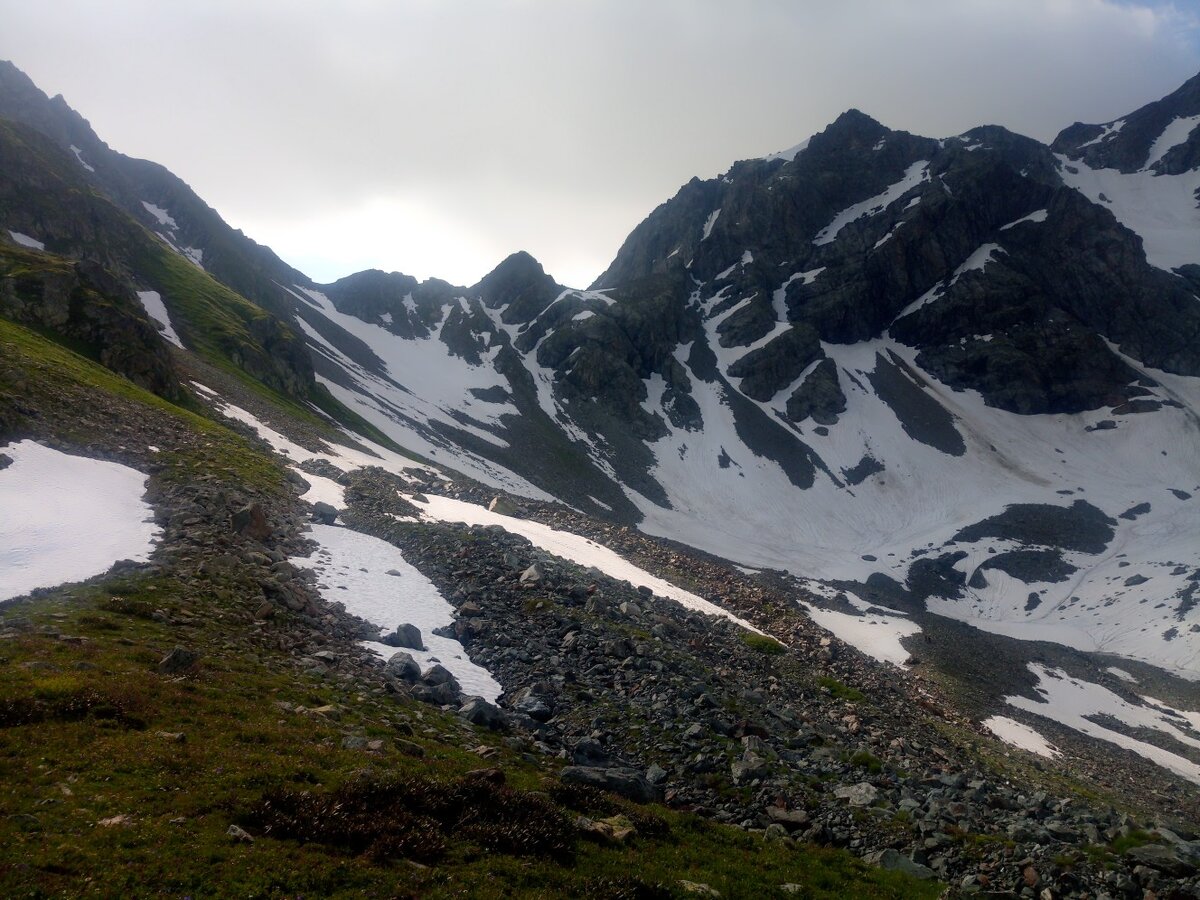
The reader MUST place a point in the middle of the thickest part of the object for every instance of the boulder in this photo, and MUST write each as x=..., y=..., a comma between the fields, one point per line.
x=898, y=862
x=403, y=666
x=439, y=674
x=178, y=660
x=478, y=711
x=407, y=636
x=250, y=521
x=324, y=513
x=861, y=794
x=624, y=782
x=504, y=507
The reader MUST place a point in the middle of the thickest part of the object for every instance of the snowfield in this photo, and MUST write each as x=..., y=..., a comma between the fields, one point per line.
x=372, y=579
x=1019, y=735
x=1077, y=704
x=67, y=518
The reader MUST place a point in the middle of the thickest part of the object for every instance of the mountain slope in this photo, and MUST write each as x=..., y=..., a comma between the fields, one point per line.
x=841, y=365
x=917, y=383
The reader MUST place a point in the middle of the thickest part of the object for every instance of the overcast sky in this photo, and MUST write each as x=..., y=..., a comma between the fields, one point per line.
x=435, y=137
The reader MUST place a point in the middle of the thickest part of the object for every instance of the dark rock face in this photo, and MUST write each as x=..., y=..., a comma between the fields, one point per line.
x=820, y=396
x=45, y=191
x=86, y=303
x=1079, y=526
x=1127, y=147
x=922, y=417
x=771, y=368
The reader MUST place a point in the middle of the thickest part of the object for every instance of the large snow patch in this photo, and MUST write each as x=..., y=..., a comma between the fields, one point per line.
x=372, y=579
x=66, y=518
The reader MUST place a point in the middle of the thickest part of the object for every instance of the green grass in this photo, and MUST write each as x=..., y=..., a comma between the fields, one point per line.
x=839, y=690
x=103, y=750
x=864, y=759
x=762, y=643
x=49, y=370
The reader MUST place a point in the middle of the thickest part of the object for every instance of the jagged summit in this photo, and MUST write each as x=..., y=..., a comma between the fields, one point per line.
x=1161, y=136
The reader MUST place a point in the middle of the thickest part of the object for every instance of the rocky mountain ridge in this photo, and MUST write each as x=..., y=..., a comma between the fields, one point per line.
x=903, y=383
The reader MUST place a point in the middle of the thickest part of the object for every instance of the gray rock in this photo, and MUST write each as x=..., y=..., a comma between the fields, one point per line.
x=405, y=636
x=439, y=674
x=178, y=660
x=790, y=819
x=324, y=513
x=478, y=711
x=445, y=694
x=898, y=862
x=625, y=782
x=403, y=666
x=748, y=768
x=861, y=794
x=504, y=507
x=532, y=575
x=589, y=752
x=535, y=707
x=1173, y=860
x=240, y=834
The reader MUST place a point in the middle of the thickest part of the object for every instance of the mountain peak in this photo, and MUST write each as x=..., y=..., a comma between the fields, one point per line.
x=520, y=284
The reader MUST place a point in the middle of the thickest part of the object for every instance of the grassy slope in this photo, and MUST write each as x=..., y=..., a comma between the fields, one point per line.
x=101, y=797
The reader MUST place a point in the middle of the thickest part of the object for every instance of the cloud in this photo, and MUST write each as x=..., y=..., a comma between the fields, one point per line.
x=435, y=137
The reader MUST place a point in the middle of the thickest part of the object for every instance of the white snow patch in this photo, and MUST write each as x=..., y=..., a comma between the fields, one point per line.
x=1036, y=216
x=152, y=302
x=913, y=175
x=344, y=458
x=1172, y=136
x=1161, y=209
x=26, y=241
x=887, y=237
x=573, y=547
x=194, y=255
x=1069, y=701
x=67, y=518
x=747, y=258
x=322, y=489
x=709, y=223
x=163, y=217
x=1122, y=674
x=874, y=634
x=977, y=260
x=353, y=570
x=79, y=156
x=926, y=298
x=1110, y=130
x=791, y=153
x=1020, y=735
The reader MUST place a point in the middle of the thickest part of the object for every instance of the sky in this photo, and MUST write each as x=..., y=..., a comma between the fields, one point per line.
x=435, y=137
